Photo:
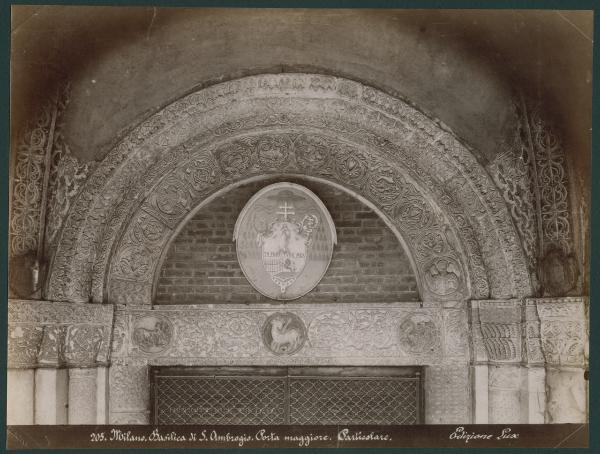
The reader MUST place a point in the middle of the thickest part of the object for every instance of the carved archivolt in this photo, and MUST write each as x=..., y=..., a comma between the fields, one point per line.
x=431, y=188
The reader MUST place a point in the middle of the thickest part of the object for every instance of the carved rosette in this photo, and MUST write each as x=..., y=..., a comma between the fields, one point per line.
x=48, y=334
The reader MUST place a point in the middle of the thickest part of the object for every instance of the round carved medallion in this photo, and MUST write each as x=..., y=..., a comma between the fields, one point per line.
x=443, y=276
x=418, y=334
x=152, y=334
x=284, y=241
x=284, y=333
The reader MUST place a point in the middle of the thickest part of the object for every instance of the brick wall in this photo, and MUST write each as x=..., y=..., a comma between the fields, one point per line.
x=368, y=263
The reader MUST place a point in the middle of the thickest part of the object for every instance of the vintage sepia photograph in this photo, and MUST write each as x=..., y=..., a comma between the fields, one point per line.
x=254, y=227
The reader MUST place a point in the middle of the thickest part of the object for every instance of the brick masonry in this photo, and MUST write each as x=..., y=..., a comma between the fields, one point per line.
x=368, y=263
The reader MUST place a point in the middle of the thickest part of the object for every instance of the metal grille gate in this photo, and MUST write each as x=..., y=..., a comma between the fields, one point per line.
x=302, y=396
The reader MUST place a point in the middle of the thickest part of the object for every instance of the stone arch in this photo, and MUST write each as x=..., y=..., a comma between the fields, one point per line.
x=221, y=192
x=416, y=171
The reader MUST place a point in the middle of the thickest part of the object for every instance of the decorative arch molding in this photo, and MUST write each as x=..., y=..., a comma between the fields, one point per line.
x=412, y=168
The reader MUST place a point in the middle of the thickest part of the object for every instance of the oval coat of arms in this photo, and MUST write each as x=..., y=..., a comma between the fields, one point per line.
x=284, y=240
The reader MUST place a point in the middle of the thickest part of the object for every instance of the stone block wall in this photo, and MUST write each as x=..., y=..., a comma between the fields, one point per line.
x=368, y=263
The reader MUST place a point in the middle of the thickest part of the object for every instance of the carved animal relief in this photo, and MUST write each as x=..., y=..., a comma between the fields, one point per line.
x=284, y=333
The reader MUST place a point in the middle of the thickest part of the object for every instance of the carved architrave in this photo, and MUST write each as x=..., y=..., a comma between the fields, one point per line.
x=456, y=333
x=328, y=116
x=393, y=334
x=49, y=334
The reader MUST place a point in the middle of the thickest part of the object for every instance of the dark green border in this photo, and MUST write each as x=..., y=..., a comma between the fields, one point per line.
x=416, y=4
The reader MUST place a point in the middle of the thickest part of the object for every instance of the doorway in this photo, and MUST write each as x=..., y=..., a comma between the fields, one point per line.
x=287, y=395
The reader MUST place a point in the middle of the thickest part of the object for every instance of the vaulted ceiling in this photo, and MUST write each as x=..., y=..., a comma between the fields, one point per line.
x=464, y=68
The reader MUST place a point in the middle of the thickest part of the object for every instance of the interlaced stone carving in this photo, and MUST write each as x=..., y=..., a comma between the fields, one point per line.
x=48, y=334
x=563, y=331
x=512, y=173
x=66, y=177
x=344, y=114
x=28, y=180
x=532, y=176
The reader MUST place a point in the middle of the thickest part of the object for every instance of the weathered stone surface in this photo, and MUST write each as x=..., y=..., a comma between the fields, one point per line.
x=566, y=394
x=564, y=331
x=50, y=334
x=401, y=144
x=82, y=396
x=448, y=394
x=549, y=335
x=378, y=334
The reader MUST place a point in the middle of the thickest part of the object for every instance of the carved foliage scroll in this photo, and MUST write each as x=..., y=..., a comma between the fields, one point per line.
x=359, y=334
x=386, y=186
x=397, y=133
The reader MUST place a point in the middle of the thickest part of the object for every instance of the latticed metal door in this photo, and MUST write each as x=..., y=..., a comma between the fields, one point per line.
x=301, y=396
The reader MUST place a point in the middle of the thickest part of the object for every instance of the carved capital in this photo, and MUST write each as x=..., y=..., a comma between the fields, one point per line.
x=497, y=330
x=563, y=330
x=49, y=334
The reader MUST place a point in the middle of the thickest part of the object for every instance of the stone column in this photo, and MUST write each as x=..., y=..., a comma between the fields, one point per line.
x=129, y=392
x=102, y=395
x=447, y=394
x=82, y=396
x=533, y=376
x=564, y=341
x=481, y=405
x=51, y=391
x=497, y=344
x=504, y=394
x=67, y=344
x=20, y=396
